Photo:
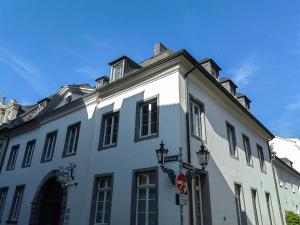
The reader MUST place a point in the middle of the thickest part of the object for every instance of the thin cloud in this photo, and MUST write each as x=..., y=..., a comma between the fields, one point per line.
x=243, y=74
x=90, y=72
x=24, y=69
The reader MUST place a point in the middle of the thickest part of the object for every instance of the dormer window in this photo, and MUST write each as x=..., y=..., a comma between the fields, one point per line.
x=68, y=99
x=117, y=71
x=121, y=67
x=41, y=106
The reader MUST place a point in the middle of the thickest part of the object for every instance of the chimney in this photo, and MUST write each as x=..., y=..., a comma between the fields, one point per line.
x=211, y=67
x=244, y=100
x=102, y=81
x=158, y=49
x=228, y=84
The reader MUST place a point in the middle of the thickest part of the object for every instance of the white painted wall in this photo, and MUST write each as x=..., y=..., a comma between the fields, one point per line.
x=128, y=155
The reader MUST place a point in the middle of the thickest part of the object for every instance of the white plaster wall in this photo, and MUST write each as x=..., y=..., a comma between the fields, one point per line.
x=223, y=169
x=289, y=199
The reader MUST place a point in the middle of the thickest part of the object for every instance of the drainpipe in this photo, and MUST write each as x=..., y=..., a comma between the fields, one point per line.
x=188, y=141
x=275, y=182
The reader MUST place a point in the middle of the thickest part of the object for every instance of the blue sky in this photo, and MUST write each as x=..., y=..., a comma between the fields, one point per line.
x=45, y=44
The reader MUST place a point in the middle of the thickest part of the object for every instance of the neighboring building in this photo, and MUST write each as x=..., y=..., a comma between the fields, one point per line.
x=107, y=136
x=287, y=148
x=286, y=166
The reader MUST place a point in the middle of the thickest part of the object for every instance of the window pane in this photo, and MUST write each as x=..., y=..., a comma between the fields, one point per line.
x=141, y=220
x=142, y=193
x=152, y=178
x=152, y=206
x=142, y=179
x=152, y=219
x=141, y=205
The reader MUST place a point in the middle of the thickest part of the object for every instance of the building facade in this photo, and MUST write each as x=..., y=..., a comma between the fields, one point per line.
x=100, y=144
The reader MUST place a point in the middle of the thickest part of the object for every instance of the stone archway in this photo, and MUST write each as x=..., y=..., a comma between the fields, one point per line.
x=49, y=189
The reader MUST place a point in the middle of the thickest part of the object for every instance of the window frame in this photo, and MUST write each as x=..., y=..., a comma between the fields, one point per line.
x=138, y=127
x=105, y=116
x=233, y=152
x=13, y=205
x=135, y=174
x=24, y=165
x=202, y=128
x=242, y=219
x=269, y=204
x=67, y=143
x=248, y=154
x=262, y=161
x=95, y=195
x=3, y=190
x=256, y=204
x=16, y=149
x=122, y=65
x=43, y=159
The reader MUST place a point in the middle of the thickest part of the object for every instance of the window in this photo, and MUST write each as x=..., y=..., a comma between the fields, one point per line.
x=256, y=207
x=3, y=194
x=49, y=146
x=261, y=158
x=117, y=71
x=231, y=139
x=109, y=130
x=102, y=201
x=198, y=201
x=146, y=199
x=247, y=149
x=16, y=205
x=240, y=205
x=28, y=153
x=197, y=119
x=270, y=208
x=68, y=99
x=147, y=120
x=13, y=157
x=71, y=140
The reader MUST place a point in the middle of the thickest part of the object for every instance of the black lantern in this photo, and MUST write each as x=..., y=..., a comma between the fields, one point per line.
x=203, y=156
x=161, y=153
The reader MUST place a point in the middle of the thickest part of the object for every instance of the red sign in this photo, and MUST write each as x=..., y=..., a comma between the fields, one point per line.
x=181, y=183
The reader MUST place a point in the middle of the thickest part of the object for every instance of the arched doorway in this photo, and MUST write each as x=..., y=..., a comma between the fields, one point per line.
x=50, y=205
x=49, y=202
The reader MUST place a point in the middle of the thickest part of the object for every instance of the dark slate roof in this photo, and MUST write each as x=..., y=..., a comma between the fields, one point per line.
x=226, y=79
x=133, y=63
x=241, y=95
x=202, y=61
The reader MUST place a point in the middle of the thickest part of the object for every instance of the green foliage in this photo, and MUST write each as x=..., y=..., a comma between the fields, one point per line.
x=292, y=218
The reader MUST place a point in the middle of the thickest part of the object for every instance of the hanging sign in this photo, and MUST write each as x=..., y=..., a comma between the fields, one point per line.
x=181, y=183
x=171, y=158
x=188, y=166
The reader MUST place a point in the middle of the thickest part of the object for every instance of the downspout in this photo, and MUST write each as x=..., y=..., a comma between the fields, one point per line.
x=275, y=182
x=188, y=141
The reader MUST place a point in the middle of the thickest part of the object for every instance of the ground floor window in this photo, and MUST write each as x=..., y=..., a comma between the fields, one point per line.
x=102, y=200
x=240, y=205
x=269, y=207
x=16, y=205
x=198, y=201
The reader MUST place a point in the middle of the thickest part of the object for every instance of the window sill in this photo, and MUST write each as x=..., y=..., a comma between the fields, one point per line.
x=250, y=165
x=234, y=157
x=9, y=169
x=138, y=139
x=107, y=147
x=68, y=155
x=45, y=161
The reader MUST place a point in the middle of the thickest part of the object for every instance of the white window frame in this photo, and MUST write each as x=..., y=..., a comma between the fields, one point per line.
x=247, y=149
x=3, y=195
x=50, y=145
x=112, y=130
x=149, y=103
x=261, y=157
x=28, y=153
x=147, y=186
x=71, y=145
x=198, y=200
x=105, y=190
x=231, y=137
x=16, y=205
x=113, y=70
x=13, y=157
x=240, y=203
x=197, y=120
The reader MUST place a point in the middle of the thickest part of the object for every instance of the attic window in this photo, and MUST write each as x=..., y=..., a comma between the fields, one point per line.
x=41, y=106
x=117, y=71
x=68, y=99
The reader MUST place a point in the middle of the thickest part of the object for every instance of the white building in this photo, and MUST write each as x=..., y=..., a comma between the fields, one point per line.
x=286, y=166
x=109, y=134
